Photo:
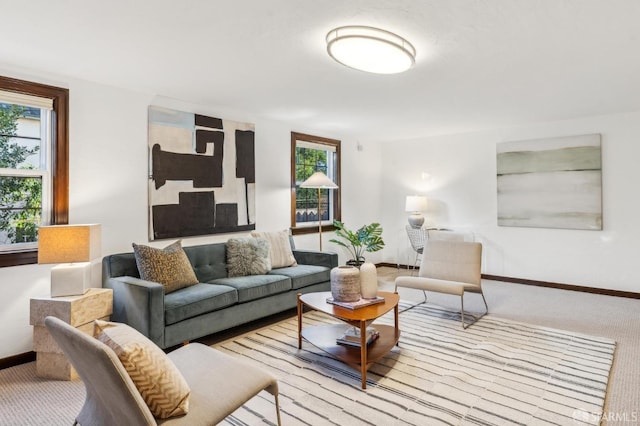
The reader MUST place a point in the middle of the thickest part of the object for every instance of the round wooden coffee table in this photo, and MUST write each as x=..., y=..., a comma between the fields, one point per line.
x=324, y=337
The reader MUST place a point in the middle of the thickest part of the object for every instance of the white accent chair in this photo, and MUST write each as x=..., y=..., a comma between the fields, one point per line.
x=219, y=383
x=451, y=267
x=417, y=237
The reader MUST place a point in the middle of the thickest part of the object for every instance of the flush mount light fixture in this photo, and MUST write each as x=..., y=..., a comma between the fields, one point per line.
x=370, y=49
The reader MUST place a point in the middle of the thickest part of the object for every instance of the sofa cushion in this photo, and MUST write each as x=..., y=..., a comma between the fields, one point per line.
x=158, y=380
x=247, y=256
x=279, y=248
x=209, y=261
x=304, y=275
x=168, y=266
x=196, y=300
x=256, y=286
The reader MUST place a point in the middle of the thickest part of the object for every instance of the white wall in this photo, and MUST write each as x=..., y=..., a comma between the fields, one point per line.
x=360, y=193
x=108, y=172
x=108, y=184
x=461, y=189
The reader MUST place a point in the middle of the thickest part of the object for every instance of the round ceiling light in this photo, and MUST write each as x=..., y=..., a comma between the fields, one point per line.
x=370, y=49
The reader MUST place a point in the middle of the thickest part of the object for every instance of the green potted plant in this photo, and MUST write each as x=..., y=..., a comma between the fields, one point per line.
x=368, y=238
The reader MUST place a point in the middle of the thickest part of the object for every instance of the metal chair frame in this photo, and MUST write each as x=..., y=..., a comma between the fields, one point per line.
x=467, y=257
x=417, y=238
x=461, y=313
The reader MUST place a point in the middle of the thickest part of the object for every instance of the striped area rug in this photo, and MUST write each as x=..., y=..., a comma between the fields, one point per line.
x=496, y=372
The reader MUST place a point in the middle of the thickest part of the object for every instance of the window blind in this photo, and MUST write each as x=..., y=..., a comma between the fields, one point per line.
x=26, y=100
x=315, y=145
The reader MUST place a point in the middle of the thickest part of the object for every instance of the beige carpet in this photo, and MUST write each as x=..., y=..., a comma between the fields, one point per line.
x=28, y=400
x=616, y=318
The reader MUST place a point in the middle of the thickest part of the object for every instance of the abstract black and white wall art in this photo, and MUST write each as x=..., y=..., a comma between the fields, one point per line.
x=551, y=183
x=201, y=175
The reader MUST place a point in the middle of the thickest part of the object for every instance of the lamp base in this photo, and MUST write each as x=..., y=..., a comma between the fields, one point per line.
x=416, y=220
x=70, y=279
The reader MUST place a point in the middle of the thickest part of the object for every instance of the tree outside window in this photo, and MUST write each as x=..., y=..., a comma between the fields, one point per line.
x=34, y=165
x=309, y=161
x=20, y=196
x=311, y=154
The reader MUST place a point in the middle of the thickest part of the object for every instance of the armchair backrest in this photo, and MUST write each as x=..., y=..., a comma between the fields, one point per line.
x=417, y=237
x=112, y=398
x=458, y=261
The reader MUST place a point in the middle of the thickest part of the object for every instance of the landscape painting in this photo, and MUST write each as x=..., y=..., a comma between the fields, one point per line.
x=201, y=174
x=551, y=183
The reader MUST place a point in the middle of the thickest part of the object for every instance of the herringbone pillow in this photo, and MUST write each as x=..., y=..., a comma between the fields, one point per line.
x=156, y=377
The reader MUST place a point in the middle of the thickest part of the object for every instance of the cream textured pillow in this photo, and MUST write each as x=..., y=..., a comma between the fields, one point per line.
x=247, y=256
x=281, y=253
x=157, y=379
x=168, y=266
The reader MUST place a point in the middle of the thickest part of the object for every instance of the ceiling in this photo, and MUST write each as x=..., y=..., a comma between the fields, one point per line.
x=480, y=64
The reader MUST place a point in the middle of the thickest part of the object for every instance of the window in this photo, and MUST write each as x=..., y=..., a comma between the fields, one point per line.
x=34, y=182
x=311, y=154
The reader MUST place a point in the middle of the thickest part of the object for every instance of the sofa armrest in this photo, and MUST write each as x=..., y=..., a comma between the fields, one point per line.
x=314, y=257
x=140, y=304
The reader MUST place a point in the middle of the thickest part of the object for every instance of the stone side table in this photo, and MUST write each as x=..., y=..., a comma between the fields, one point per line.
x=78, y=311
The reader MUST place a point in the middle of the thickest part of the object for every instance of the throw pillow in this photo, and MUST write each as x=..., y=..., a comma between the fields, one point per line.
x=281, y=253
x=168, y=266
x=247, y=256
x=156, y=377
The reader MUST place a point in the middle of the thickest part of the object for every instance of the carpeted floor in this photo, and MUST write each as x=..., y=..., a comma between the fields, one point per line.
x=28, y=400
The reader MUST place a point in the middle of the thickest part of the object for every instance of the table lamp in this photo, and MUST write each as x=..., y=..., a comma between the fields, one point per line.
x=320, y=181
x=74, y=247
x=415, y=205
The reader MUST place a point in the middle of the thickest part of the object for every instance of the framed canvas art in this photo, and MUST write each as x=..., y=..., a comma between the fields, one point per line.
x=550, y=183
x=201, y=175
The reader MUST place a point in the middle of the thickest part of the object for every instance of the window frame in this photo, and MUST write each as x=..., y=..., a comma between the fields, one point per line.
x=59, y=159
x=337, y=208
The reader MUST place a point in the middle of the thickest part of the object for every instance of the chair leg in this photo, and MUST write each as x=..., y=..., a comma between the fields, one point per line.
x=486, y=307
x=277, y=409
x=415, y=264
x=475, y=318
x=417, y=304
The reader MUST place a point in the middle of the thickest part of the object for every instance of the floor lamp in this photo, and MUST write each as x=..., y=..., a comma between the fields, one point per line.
x=319, y=181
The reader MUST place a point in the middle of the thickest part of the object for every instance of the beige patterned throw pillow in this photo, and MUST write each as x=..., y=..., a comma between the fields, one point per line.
x=168, y=266
x=156, y=377
x=280, y=252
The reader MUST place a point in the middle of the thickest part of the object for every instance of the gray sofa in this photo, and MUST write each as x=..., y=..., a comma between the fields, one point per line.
x=217, y=302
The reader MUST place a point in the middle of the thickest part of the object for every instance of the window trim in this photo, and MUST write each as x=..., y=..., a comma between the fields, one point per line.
x=59, y=159
x=337, y=208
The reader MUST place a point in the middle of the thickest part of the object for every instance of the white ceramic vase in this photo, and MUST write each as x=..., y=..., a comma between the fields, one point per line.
x=345, y=284
x=368, y=280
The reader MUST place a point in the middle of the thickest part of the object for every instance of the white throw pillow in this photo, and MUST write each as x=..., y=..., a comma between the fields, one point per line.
x=280, y=252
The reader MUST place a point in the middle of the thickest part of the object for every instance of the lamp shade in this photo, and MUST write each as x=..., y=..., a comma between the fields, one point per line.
x=415, y=203
x=319, y=180
x=69, y=243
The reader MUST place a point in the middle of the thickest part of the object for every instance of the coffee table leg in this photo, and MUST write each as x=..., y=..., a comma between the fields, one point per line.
x=363, y=353
x=299, y=322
